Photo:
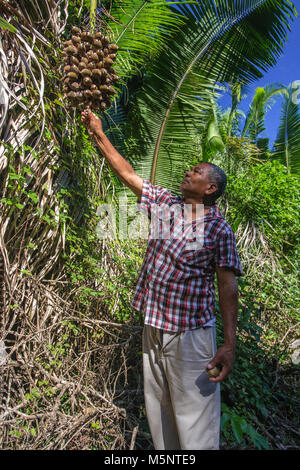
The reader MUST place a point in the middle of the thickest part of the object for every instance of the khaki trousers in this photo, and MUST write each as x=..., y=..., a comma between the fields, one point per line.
x=182, y=405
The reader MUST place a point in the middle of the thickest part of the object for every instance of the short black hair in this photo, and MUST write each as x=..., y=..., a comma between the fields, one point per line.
x=219, y=177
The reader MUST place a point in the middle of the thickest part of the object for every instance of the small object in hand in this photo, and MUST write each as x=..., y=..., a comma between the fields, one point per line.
x=214, y=372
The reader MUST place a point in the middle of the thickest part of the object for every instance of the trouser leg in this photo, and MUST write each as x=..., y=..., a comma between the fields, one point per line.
x=196, y=400
x=156, y=391
x=183, y=406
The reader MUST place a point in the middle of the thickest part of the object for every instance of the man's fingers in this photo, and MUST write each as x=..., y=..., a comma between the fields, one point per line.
x=222, y=375
x=211, y=364
x=86, y=116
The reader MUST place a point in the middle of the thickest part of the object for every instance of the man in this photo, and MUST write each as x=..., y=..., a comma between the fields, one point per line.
x=175, y=291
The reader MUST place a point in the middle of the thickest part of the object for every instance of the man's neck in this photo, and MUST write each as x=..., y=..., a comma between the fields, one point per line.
x=193, y=204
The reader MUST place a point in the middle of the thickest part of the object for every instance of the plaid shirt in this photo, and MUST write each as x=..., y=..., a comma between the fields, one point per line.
x=175, y=289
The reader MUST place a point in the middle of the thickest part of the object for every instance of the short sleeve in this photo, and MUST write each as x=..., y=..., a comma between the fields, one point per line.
x=152, y=194
x=226, y=252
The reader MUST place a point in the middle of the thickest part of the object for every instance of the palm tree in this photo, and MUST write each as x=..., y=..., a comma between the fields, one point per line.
x=287, y=143
x=262, y=101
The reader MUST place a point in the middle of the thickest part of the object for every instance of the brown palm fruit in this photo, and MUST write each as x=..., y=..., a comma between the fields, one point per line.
x=71, y=95
x=111, y=90
x=103, y=88
x=76, y=30
x=89, y=53
x=113, y=47
x=104, y=72
x=114, y=77
x=87, y=81
x=87, y=45
x=99, y=53
x=80, y=49
x=88, y=60
x=76, y=40
x=214, y=372
x=82, y=65
x=75, y=86
x=74, y=68
x=97, y=43
x=87, y=94
x=107, y=62
x=86, y=72
x=71, y=50
x=72, y=75
x=96, y=73
x=73, y=60
x=94, y=56
x=79, y=96
x=96, y=94
x=91, y=65
x=89, y=36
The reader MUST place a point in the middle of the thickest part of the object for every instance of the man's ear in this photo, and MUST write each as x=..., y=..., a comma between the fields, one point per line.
x=212, y=188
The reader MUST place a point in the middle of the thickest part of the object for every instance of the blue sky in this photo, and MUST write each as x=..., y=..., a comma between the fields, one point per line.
x=286, y=71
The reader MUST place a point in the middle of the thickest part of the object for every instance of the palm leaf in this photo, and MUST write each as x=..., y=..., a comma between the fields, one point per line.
x=262, y=101
x=221, y=41
x=140, y=28
x=287, y=144
x=6, y=25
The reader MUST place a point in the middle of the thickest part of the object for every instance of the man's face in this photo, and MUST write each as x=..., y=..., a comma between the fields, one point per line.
x=197, y=182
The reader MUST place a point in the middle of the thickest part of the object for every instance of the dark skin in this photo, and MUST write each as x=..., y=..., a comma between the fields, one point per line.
x=196, y=185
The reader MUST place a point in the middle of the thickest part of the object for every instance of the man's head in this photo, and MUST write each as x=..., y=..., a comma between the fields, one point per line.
x=205, y=182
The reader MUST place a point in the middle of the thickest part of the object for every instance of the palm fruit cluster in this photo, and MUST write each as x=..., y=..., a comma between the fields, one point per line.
x=88, y=73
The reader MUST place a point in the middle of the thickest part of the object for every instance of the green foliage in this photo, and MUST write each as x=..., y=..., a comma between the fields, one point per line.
x=241, y=429
x=267, y=195
x=262, y=101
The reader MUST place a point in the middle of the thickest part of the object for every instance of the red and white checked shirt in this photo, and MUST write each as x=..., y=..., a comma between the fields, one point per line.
x=175, y=289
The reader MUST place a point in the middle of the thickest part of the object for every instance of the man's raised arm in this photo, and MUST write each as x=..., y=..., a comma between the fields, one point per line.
x=118, y=164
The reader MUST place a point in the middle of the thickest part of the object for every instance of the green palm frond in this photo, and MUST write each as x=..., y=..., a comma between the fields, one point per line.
x=140, y=28
x=287, y=144
x=262, y=101
x=237, y=91
x=221, y=41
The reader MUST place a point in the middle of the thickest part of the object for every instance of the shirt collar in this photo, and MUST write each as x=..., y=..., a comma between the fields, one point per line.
x=213, y=213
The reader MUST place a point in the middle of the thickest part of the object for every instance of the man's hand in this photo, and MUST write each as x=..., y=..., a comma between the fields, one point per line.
x=223, y=359
x=92, y=123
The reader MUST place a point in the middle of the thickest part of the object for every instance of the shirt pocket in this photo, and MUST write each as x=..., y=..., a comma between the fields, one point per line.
x=198, y=258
